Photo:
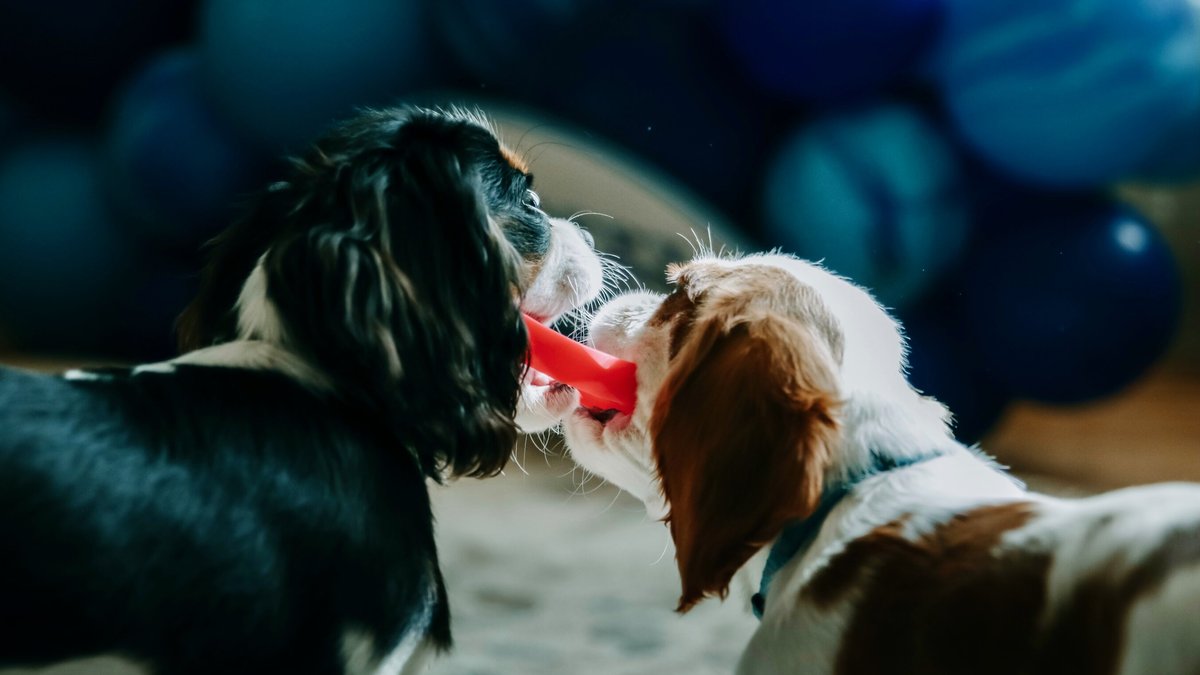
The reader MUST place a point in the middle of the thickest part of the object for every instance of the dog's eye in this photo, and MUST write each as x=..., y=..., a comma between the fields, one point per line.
x=532, y=199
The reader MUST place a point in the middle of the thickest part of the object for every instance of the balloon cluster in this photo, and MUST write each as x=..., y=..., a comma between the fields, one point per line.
x=956, y=156
x=960, y=162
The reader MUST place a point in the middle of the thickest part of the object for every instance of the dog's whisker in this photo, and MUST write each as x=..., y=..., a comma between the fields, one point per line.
x=583, y=214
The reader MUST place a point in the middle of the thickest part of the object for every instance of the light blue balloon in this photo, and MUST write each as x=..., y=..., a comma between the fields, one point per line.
x=876, y=194
x=1069, y=93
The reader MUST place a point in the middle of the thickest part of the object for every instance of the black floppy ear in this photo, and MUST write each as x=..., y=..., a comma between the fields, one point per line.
x=408, y=299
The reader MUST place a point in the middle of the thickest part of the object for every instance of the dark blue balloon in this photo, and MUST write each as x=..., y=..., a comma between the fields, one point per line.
x=650, y=80
x=943, y=363
x=142, y=321
x=283, y=70
x=1176, y=156
x=1071, y=93
x=9, y=121
x=64, y=57
x=62, y=258
x=499, y=41
x=1070, y=299
x=820, y=50
x=177, y=170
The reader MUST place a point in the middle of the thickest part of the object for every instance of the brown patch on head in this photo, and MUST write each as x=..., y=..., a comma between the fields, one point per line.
x=514, y=160
x=679, y=309
x=741, y=288
x=948, y=602
x=741, y=432
x=1087, y=633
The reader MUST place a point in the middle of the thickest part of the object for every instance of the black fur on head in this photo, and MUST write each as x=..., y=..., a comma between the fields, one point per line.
x=391, y=260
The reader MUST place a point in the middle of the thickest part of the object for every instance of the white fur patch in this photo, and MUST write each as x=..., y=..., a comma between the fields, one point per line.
x=406, y=656
x=1162, y=628
x=78, y=375
x=249, y=354
x=257, y=317
x=570, y=274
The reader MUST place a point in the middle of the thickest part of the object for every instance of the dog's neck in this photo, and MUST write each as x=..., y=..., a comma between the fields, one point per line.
x=250, y=355
x=895, y=427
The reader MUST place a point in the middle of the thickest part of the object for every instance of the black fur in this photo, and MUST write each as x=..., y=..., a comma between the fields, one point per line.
x=210, y=520
x=216, y=519
x=404, y=196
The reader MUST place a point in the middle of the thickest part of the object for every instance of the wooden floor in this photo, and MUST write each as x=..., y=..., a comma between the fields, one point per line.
x=1149, y=433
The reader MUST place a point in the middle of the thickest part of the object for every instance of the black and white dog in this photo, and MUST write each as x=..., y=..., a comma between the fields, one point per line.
x=259, y=504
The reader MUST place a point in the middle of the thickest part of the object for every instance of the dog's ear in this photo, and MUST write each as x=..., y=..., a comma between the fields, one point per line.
x=409, y=297
x=741, y=430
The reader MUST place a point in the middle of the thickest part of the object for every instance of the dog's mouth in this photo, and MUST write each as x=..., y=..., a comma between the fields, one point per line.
x=601, y=415
x=536, y=377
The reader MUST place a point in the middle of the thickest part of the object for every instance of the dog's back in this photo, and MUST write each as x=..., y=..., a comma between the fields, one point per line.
x=1105, y=585
x=211, y=516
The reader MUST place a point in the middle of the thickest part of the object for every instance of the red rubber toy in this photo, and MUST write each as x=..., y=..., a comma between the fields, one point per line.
x=604, y=381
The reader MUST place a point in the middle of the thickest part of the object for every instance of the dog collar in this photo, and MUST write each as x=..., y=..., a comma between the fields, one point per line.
x=799, y=535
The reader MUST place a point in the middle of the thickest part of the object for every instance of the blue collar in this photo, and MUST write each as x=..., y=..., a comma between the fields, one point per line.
x=799, y=535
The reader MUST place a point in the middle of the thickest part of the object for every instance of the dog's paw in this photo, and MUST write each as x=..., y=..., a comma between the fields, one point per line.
x=543, y=404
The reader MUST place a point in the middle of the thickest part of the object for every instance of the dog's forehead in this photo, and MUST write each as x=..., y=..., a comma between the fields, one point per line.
x=745, y=280
x=781, y=287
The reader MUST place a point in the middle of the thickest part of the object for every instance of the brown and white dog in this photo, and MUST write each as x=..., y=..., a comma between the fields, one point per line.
x=777, y=435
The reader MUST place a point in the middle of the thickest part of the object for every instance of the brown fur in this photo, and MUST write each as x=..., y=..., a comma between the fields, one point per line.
x=515, y=160
x=680, y=309
x=741, y=435
x=1088, y=632
x=947, y=603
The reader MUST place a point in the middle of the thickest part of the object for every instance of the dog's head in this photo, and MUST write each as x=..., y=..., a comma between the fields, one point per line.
x=394, y=259
x=759, y=379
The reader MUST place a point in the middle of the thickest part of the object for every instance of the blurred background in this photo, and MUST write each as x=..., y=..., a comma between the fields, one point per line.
x=1017, y=179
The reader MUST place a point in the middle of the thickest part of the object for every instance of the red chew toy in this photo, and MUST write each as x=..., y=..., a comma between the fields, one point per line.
x=603, y=381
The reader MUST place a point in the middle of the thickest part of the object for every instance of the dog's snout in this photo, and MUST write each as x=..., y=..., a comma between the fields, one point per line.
x=618, y=322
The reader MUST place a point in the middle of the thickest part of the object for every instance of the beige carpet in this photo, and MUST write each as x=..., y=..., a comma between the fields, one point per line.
x=549, y=573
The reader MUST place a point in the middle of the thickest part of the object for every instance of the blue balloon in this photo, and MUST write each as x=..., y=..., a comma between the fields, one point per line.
x=64, y=58
x=1176, y=156
x=142, y=322
x=648, y=79
x=176, y=168
x=943, y=363
x=821, y=50
x=499, y=41
x=62, y=258
x=283, y=70
x=1070, y=299
x=1069, y=92
x=877, y=195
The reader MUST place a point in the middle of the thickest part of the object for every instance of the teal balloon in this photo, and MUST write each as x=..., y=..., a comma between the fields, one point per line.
x=283, y=70
x=876, y=194
x=1070, y=93
x=63, y=259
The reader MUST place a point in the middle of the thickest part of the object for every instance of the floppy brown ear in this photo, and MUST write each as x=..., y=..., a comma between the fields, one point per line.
x=742, y=428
